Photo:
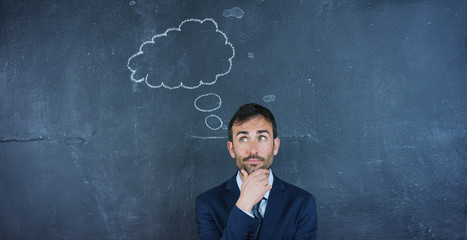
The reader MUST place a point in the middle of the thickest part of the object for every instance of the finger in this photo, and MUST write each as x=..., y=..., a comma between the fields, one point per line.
x=259, y=172
x=244, y=173
x=264, y=176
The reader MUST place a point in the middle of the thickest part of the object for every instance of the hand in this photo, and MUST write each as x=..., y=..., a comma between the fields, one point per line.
x=254, y=187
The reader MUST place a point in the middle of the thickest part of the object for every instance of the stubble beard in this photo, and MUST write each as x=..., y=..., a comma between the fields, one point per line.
x=251, y=168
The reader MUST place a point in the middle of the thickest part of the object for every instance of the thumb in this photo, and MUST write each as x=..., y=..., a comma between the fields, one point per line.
x=244, y=174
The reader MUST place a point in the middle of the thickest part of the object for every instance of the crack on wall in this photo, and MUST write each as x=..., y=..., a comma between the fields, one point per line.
x=69, y=141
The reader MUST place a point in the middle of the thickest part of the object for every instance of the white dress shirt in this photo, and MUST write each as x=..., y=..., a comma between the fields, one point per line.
x=264, y=202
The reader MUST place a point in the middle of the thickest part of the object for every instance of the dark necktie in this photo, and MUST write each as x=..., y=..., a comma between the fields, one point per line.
x=257, y=214
x=255, y=211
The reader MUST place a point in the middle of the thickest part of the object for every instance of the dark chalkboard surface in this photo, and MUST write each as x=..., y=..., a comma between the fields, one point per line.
x=113, y=113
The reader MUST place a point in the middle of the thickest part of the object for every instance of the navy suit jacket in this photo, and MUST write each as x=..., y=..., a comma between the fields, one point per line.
x=290, y=214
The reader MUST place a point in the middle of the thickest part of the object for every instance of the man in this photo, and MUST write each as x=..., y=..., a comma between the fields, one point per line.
x=255, y=204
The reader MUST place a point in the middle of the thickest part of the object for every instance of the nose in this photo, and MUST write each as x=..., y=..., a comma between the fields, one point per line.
x=253, y=148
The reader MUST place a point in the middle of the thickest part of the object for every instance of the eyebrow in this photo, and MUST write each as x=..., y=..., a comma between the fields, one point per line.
x=263, y=131
x=257, y=132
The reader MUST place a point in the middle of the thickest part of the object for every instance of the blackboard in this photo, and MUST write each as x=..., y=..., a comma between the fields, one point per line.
x=113, y=114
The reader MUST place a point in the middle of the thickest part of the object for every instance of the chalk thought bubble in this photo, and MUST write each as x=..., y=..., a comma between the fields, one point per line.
x=213, y=120
x=208, y=102
x=193, y=54
x=233, y=12
x=269, y=98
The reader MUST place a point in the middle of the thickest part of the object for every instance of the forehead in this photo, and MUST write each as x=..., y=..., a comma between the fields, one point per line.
x=252, y=125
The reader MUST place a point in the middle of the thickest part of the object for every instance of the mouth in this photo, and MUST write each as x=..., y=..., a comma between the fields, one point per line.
x=253, y=160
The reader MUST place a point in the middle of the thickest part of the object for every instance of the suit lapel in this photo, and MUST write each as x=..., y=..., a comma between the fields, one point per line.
x=232, y=193
x=274, y=209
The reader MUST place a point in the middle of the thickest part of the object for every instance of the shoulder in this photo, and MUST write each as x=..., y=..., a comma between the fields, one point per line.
x=296, y=192
x=215, y=191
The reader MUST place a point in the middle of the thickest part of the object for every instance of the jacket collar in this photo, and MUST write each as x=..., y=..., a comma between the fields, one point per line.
x=232, y=193
x=274, y=209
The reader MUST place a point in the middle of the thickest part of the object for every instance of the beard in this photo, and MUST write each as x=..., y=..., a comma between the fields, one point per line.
x=251, y=168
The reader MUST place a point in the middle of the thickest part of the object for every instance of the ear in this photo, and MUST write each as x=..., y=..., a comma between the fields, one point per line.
x=231, y=149
x=277, y=143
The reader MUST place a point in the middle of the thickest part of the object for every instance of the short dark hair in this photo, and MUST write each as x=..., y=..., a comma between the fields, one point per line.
x=247, y=112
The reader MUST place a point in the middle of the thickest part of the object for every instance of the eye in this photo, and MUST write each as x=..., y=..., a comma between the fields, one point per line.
x=243, y=139
x=262, y=138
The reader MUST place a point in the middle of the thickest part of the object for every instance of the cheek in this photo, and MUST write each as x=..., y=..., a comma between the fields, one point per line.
x=240, y=148
x=267, y=148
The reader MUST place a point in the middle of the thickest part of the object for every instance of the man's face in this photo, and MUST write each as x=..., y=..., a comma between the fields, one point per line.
x=253, y=145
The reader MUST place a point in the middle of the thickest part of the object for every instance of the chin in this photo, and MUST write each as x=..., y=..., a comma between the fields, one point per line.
x=251, y=169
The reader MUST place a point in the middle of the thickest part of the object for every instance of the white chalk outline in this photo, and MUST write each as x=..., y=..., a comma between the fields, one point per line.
x=212, y=115
x=269, y=98
x=229, y=12
x=208, y=110
x=201, y=137
x=133, y=71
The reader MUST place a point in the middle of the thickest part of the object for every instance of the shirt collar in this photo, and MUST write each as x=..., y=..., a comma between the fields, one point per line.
x=271, y=180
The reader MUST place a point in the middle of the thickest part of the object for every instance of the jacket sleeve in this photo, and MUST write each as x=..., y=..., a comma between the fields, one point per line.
x=307, y=222
x=239, y=224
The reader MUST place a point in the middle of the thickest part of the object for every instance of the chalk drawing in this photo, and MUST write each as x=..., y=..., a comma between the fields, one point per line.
x=215, y=99
x=233, y=12
x=201, y=137
x=168, y=61
x=251, y=55
x=269, y=98
x=214, y=117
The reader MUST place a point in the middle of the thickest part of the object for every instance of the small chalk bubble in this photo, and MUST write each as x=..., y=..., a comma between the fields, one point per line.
x=251, y=55
x=132, y=3
x=213, y=120
x=208, y=102
x=269, y=98
x=233, y=12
